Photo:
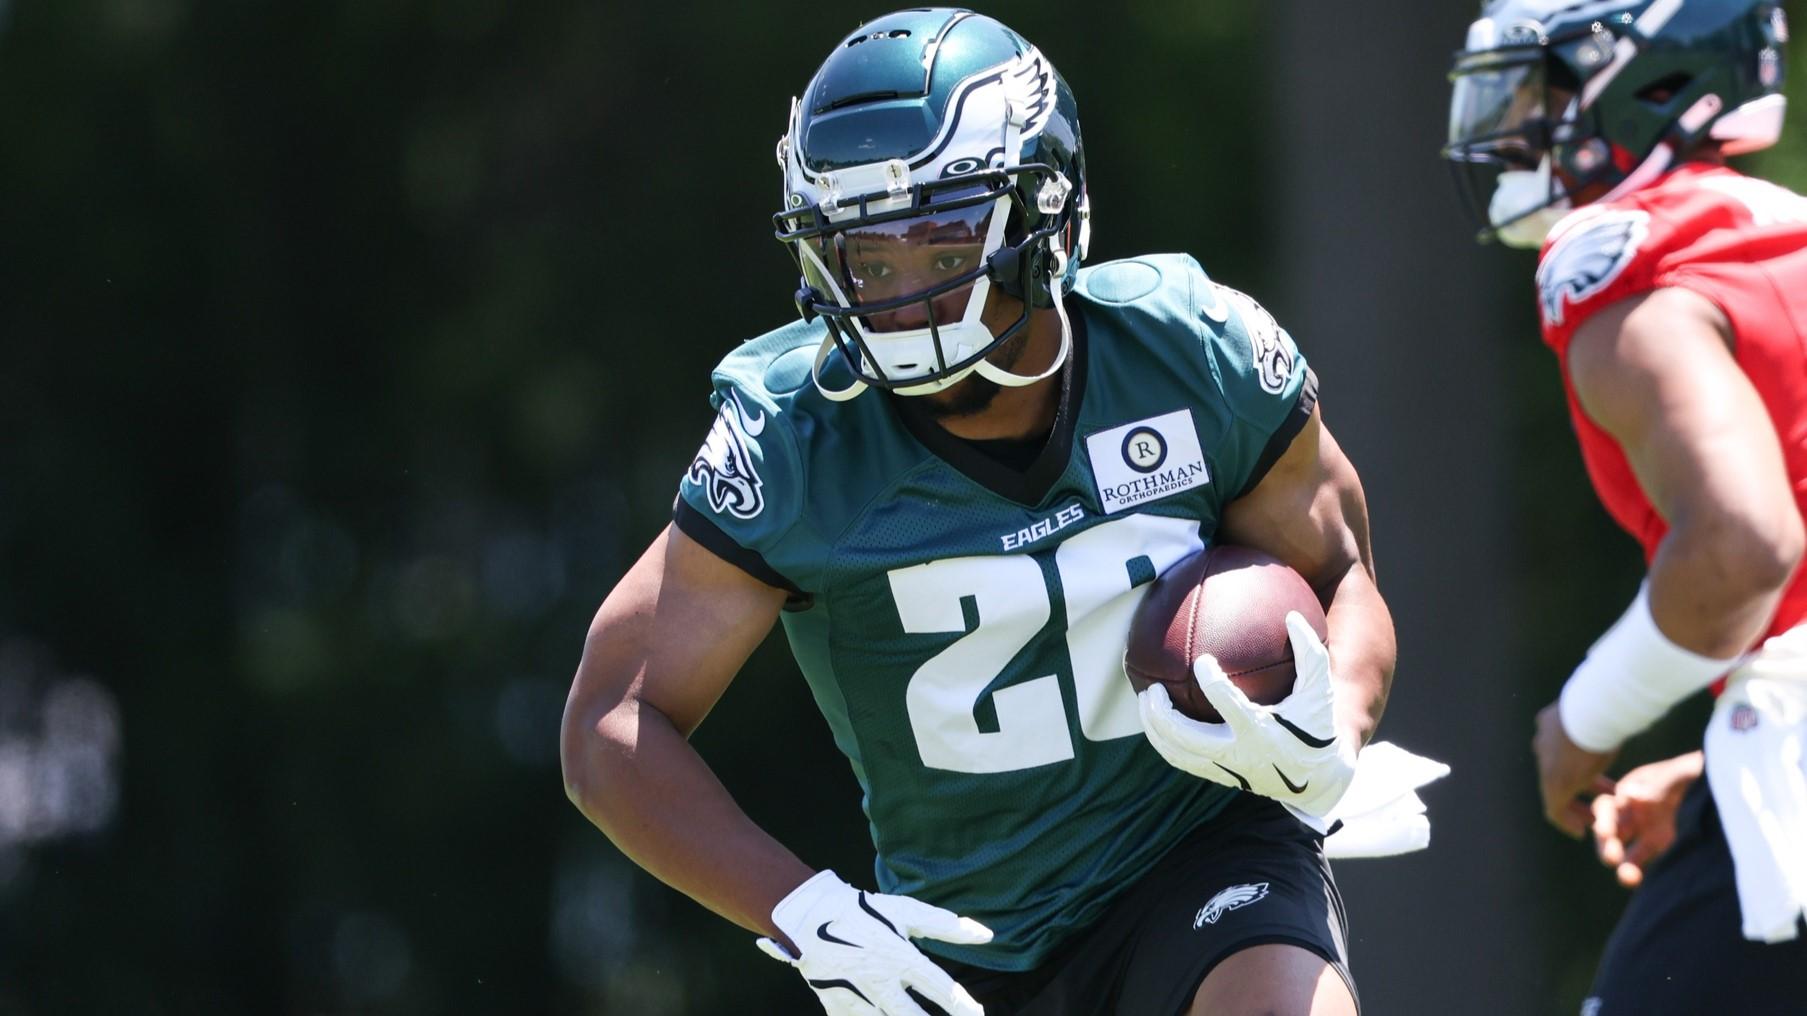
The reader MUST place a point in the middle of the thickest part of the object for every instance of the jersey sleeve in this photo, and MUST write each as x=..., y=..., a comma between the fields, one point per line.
x=741, y=496
x=1594, y=259
x=1268, y=387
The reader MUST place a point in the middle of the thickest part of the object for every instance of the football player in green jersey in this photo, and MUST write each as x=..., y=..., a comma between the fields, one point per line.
x=955, y=558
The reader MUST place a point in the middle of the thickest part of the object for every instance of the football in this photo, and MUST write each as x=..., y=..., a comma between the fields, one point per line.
x=1230, y=602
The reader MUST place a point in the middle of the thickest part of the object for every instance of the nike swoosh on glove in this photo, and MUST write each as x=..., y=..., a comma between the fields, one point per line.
x=1290, y=752
x=856, y=951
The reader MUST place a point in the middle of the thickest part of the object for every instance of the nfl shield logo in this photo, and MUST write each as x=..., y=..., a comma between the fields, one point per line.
x=1743, y=717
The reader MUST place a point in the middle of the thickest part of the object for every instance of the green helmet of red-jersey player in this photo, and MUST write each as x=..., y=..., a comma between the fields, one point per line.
x=1560, y=102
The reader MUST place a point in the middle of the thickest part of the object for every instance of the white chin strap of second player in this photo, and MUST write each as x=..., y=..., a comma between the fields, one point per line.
x=1520, y=189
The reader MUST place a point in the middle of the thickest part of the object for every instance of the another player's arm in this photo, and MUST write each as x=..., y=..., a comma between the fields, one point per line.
x=1635, y=823
x=1309, y=511
x=660, y=652
x=1656, y=372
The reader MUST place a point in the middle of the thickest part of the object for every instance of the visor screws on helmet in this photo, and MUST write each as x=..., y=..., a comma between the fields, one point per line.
x=1596, y=49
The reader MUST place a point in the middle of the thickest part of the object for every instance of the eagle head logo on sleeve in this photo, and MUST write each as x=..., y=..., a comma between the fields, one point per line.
x=1586, y=257
x=1272, y=349
x=724, y=465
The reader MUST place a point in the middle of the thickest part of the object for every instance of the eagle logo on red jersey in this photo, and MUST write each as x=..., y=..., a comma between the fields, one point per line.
x=1587, y=257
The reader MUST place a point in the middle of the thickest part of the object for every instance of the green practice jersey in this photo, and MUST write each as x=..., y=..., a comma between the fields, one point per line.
x=961, y=623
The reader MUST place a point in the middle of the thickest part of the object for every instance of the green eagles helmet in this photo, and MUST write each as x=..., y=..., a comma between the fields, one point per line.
x=934, y=156
x=1560, y=102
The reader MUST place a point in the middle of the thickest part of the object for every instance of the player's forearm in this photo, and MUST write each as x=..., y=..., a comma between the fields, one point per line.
x=633, y=775
x=1362, y=652
x=1711, y=592
x=1715, y=583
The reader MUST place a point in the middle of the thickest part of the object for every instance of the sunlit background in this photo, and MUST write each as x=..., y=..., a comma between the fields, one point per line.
x=355, y=347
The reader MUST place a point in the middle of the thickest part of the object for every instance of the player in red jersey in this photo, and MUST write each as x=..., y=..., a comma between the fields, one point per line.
x=1673, y=291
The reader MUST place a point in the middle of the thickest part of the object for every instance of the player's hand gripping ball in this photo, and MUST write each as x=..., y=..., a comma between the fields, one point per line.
x=1230, y=602
x=1239, y=638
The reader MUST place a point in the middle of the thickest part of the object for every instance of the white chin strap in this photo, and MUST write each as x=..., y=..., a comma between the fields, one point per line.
x=991, y=372
x=984, y=368
x=823, y=352
x=1521, y=188
x=1516, y=191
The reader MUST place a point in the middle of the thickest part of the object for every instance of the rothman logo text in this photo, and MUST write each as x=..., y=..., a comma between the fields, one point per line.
x=1146, y=460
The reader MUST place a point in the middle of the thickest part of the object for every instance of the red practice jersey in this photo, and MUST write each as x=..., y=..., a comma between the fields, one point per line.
x=1739, y=242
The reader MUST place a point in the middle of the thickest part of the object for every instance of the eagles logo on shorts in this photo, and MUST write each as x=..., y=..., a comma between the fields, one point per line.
x=1234, y=898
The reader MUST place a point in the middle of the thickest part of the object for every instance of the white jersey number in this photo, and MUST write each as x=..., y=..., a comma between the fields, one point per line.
x=1012, y=604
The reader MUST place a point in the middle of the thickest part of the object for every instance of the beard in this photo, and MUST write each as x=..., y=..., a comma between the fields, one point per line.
x=968, y=398
x=974, y=393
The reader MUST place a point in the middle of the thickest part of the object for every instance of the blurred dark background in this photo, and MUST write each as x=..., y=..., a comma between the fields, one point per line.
x=353, y=350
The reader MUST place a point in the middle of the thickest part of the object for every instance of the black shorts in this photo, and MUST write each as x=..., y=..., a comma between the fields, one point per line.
x=1252, y=875
x=1680, y=949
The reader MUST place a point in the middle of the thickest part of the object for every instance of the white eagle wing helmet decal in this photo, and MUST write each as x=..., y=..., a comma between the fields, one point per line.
x=1025, y=87
x=724, y=465
x=968, y=139
x=1586, y=256
x=1234, y=898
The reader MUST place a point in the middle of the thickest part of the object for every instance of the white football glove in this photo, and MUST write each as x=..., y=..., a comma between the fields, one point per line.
x=857, y=955
x=1291, y=752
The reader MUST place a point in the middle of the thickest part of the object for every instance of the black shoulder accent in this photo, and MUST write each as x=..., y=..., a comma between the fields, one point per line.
x=698, y=527
x=1282, y=438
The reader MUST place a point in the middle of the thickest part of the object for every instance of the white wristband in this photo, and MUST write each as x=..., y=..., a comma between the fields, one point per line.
x=1632, y=676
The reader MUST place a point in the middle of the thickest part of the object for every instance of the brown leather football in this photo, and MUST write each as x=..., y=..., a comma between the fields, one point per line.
x=1230, y=602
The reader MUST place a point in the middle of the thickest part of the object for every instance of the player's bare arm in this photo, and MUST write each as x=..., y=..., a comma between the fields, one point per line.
x=645, y=683
x=1670, y=286
x=1656, y=372
x=1309, y=511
